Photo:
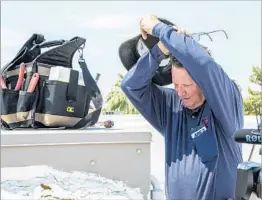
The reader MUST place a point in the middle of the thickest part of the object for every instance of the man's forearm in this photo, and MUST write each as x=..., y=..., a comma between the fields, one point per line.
x=148, y=98
x=142, y=73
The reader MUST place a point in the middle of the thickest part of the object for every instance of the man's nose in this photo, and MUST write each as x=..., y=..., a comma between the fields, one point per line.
x=180, y=91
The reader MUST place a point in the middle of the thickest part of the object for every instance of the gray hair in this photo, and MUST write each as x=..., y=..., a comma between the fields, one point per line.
x=177, y=64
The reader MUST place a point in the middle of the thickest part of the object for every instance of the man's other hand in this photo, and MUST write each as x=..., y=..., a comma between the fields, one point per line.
x=162, y=47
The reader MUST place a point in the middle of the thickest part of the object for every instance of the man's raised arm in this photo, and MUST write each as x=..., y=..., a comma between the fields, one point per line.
x=221, y=93
x=149, y=99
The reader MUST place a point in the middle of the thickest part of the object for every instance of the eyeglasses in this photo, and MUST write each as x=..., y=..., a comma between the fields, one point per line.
x=197, y=36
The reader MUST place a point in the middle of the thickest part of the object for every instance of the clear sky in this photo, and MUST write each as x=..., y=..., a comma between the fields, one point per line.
x=105, y=25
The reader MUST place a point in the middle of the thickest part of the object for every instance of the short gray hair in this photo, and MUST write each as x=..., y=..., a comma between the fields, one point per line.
x=177, y=64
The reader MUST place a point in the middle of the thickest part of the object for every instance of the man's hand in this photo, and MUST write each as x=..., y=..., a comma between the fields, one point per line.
x=162, y=47
x=181, y=30
x=147, y=24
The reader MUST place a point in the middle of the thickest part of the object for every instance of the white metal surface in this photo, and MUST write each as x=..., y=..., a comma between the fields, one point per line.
x=112, y=153
x=137, y=122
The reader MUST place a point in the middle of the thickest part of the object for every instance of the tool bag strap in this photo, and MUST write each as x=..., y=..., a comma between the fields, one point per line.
x=97, y=99
x=26, y=54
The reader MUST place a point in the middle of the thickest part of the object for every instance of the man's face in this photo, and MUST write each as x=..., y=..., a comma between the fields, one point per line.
x=186, y=88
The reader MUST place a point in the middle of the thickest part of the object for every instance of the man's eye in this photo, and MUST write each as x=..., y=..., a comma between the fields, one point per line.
x=187, y=85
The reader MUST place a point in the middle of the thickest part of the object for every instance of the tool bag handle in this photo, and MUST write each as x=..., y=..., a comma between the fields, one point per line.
x=24, y=54
x=52, y=43
x=35, y=39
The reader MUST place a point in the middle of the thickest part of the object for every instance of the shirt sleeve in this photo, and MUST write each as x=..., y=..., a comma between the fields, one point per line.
x=151, y=100
x=221, y=93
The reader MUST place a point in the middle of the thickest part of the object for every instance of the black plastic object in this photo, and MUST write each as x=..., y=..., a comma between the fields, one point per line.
x=131, y=50
x=259, y=185
x=248, y=180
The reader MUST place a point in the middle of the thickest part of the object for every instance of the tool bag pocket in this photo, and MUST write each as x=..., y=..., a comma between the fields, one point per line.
x=16, y=108
x=25, y=106
x=9, y=100
x=63, y=99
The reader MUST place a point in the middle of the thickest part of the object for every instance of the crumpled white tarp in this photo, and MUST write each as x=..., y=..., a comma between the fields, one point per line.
x=46, y=183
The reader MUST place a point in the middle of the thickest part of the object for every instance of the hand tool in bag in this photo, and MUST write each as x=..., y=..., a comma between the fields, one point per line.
x=20, y=77
x=19, y=80
x=2, y=83
x=33, y=82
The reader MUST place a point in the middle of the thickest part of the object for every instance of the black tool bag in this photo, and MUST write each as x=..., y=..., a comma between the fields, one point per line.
x=63, y=94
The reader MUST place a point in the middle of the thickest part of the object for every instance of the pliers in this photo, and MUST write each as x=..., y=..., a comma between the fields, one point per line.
x=20, y=80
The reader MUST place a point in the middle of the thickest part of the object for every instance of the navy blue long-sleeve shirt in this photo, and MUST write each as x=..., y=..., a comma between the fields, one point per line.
x=201, y=163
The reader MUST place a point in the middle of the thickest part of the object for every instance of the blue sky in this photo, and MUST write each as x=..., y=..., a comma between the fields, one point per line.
x=105, y=25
